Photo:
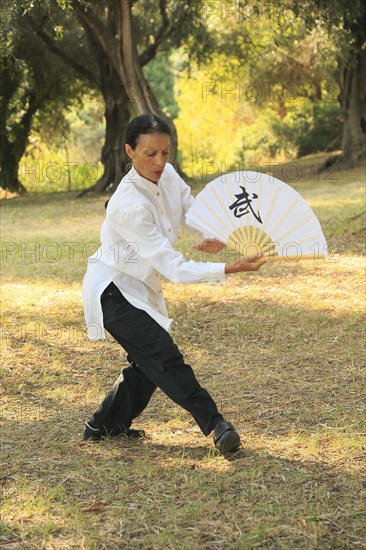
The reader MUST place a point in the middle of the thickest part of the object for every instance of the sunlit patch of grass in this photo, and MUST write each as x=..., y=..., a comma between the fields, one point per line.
x=281, y=350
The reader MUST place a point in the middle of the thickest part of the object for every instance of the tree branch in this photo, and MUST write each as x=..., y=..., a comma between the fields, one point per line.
x=80, y=69
x=102, y=37
x=164, y=31
x=93, y=24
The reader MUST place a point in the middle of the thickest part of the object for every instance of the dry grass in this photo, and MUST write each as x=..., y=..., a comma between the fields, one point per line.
x=282, y=351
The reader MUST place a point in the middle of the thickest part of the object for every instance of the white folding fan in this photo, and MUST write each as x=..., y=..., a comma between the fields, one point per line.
x=256, y=213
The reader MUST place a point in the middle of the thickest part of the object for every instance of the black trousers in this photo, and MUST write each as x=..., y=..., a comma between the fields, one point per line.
x=155, y=361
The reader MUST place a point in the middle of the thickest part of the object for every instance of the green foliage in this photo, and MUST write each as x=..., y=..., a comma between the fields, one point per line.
x=209, y=121
x=223, y=122
x=344, y=21
x=277, y=97
x=37, y=88
x=263, y=51
x=259, y=141
x=66, y=161
x=47, y=170
x=185, y=21
x=86, y=128
x=160, y=75
x=308, y=127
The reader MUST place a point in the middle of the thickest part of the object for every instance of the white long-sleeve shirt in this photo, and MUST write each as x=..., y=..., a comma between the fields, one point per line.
x=137, y=239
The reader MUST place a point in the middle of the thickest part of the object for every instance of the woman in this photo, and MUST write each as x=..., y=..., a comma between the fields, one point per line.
x=122, y=289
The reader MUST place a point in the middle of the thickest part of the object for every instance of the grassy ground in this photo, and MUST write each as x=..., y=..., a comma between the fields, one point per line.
x=282, y=352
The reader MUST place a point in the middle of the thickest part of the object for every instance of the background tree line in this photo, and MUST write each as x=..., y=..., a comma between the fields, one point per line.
x=240, y=81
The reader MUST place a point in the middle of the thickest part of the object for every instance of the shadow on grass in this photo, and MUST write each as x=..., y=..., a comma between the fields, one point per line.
x=278, y=368
x=71, y=488
x=275, y=370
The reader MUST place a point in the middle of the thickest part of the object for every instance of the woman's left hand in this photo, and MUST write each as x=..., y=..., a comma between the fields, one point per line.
x=209, y=245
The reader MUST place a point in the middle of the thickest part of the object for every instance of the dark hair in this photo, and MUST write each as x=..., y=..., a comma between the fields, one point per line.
x=145, y=124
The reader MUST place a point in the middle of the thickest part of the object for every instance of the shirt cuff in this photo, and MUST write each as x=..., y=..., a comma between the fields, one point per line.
x=217, y=273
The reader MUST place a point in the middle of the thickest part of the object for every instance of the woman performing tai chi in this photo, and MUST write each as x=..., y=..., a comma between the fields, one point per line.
x=122, y=290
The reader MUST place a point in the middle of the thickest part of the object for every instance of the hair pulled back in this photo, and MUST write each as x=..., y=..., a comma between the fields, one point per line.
x=144, y=124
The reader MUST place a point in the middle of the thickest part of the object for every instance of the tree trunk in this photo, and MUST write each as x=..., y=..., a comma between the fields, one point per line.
x=354, y=110
x=9, y=167
x=123, y=84
x=12, y=151
x=9, y=159
x=353, y=92
x=117, y=115
x=131, y=73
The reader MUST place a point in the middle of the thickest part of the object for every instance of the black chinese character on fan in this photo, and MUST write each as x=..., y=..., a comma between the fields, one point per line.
x=243, y=205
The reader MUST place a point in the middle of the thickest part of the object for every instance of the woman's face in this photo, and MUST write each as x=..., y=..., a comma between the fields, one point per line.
x=150, y=155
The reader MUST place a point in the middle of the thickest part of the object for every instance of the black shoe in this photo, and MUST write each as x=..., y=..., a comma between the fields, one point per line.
x=96, y=434
x=226, y=439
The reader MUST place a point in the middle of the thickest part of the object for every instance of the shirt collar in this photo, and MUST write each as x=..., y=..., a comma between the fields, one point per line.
x=134, y=177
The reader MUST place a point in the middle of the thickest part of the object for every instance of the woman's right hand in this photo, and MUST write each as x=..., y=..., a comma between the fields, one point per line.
x=245, y=264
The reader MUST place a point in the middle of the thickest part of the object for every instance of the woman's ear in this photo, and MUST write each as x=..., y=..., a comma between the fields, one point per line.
x=129, y=150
